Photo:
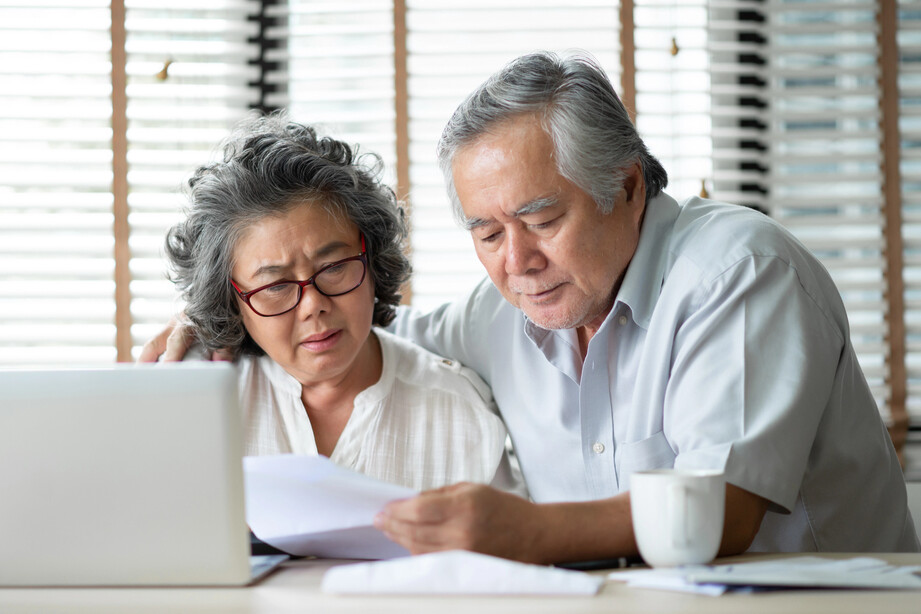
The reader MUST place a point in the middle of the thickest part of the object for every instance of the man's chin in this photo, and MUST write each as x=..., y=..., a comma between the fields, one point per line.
x=550, y=312
x=561, y=315
x=550, y=319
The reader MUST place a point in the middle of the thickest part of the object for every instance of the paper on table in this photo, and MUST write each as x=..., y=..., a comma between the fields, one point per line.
x=457, y=572
x=307, y=505
x=801, y=572
x=792, y=572
x=669, y=579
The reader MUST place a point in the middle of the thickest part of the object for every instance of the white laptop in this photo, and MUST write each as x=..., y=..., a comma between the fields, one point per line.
x=123, y=475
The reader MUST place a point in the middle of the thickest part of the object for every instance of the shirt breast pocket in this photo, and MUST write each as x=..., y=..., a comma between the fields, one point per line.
x=650, y=453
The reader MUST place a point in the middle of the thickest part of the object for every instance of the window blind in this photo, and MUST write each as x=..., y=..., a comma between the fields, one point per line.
x=770, y=103
x=452, y=47
x=189, y=75
x=797, y=132
x=188, y=80
x=909, y=86
x=673, y=89
x=336, y=70
x=56, y=266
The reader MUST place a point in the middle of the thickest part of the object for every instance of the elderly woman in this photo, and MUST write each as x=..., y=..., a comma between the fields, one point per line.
x=291, y=257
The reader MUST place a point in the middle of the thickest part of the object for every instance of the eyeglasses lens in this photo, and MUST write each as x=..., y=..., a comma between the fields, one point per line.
x=336, y=279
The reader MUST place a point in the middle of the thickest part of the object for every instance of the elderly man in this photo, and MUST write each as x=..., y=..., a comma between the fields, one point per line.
x=624, y=331
x=621, y=330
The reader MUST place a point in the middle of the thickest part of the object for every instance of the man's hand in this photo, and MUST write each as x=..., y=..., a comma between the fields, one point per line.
x=466, y=517
x=171, y=343
x=482, y=519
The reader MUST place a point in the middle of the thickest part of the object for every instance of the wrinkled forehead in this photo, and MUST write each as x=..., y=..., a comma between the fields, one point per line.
x=307, y=223
x=507, y=173
x=321, y=209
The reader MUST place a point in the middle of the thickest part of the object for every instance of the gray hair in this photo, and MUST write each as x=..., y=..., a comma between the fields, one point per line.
x=593, y=137
x=271, y=165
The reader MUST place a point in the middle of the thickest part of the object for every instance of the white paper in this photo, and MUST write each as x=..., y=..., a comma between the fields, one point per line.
x=457, y=572
x=307, y=505
x=672, y=579
x=792, y=572
x=801, y=572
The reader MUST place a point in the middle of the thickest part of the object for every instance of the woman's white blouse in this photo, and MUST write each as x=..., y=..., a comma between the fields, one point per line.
x=427, y=422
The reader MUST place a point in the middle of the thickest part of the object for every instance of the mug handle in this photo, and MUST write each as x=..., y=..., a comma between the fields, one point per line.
x=677, y=506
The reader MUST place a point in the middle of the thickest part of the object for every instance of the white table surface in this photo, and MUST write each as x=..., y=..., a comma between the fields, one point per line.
x=295, y=587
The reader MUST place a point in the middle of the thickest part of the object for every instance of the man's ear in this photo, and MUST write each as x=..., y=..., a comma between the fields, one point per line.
x=635, y=187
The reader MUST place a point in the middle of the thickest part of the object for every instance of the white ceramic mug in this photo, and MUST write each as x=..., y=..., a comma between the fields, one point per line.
x=677, y=515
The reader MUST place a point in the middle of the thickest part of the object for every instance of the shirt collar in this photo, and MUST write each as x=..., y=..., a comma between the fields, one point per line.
x=646, y=271
x=639, y=290
x=280, y=379
x=559, y=347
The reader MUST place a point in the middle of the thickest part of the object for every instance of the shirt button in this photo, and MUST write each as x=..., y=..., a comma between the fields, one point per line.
x=598, y=447
x=622, y=320
x=447, y=362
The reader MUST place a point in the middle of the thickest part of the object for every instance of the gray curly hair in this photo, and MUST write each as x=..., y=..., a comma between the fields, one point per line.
x=269, y=166
x=593, y=137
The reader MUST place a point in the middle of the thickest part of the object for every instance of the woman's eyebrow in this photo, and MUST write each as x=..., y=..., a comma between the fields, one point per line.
x=329, y=249
x=323, y=252
x=267, y=269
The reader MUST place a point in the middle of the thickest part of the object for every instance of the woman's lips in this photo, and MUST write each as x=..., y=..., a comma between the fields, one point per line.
x=321, y=341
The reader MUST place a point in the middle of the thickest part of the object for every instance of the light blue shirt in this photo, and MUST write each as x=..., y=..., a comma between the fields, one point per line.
x=727, y=348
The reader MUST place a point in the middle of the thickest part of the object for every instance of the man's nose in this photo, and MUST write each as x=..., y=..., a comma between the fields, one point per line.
x=522, y=254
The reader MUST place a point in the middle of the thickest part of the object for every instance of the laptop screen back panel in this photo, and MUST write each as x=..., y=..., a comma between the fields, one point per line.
x=129, y=475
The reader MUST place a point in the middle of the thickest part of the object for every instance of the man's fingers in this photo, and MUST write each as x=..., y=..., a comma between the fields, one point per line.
x=170, y=344
x=414, y=523
x=427, y=508
x=433, y=521
x=178, y=342
x=419, y=537
x=463, y=517
x=152, y=350
x=222, y=356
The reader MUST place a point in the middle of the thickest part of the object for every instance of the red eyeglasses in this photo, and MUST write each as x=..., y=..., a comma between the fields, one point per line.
x=335, y=279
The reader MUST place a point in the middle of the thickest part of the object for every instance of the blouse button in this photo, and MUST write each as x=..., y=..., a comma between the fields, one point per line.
x=598, y=447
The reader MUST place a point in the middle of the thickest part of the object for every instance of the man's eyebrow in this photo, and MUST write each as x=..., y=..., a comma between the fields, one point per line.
x=538, y=204
x=472, y=223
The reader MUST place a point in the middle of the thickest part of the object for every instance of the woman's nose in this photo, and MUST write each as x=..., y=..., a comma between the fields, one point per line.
x=312, y=302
